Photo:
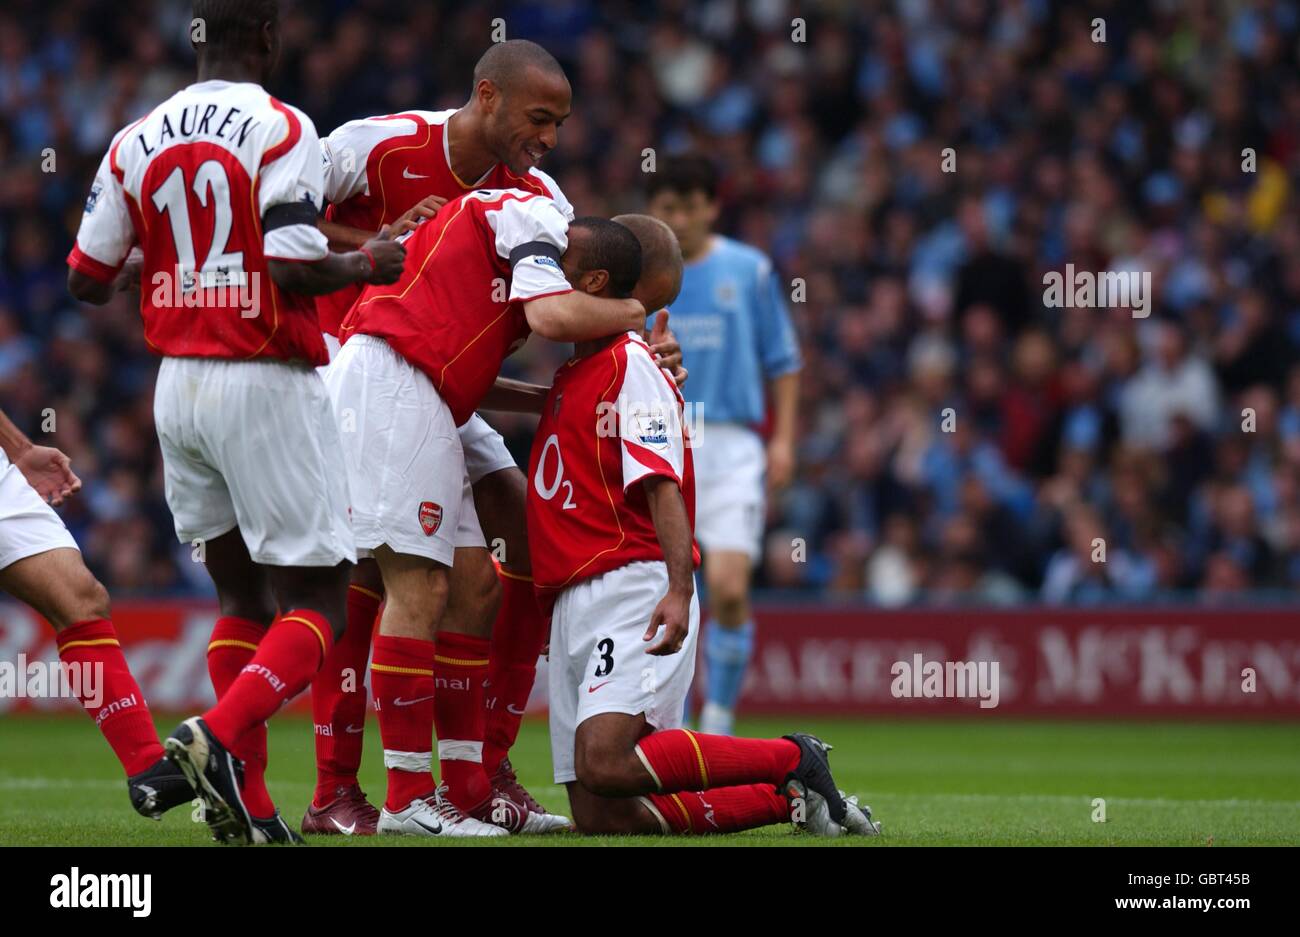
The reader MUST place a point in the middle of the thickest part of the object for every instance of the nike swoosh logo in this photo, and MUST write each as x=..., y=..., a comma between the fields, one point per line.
x=345, y=830
x=354, y=730
x=593, y=689
x=513, y=710
x=435, y=830
x=407, y=174
x=411, y=702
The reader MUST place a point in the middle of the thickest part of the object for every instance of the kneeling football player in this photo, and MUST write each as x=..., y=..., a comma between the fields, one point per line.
x=610, y=519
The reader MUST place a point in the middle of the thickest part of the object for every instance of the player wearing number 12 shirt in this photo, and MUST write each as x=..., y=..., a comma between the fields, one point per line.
x=611, y=511
x=220, y=187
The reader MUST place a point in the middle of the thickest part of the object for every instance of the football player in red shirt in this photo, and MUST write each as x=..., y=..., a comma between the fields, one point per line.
x=375, y=169
x=611, y=505
x=417, y=359
x=220, y=186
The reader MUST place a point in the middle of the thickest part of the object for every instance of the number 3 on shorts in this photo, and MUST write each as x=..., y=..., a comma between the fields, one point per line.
x=606, y=648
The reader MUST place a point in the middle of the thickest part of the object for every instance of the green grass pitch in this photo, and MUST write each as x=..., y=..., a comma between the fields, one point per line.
x=932, y=783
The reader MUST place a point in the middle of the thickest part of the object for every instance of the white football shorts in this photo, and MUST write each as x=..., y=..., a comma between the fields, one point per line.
x=485, y=450
x=599, y=664
x=405, y=465
x=253, y=444
x=730, y=468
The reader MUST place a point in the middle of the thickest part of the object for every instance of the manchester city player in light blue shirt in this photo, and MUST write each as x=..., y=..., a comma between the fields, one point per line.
x=740, y=348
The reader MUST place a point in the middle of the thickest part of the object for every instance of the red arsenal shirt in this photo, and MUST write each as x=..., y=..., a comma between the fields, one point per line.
x=210, y=184
x=457, y=311
x=611, y=420
x=376, y=169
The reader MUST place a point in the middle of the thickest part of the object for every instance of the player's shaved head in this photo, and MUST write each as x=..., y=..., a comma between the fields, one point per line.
x=661, y=261
x=599, y=245
x=506, y=64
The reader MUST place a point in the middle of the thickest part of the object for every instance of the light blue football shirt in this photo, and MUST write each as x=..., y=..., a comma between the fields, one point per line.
x=735, y=330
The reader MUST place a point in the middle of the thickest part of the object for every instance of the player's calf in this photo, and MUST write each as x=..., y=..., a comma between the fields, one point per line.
x=594, y=815
x=461, y=656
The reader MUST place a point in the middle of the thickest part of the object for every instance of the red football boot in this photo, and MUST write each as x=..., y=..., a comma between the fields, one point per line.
x=348, y=814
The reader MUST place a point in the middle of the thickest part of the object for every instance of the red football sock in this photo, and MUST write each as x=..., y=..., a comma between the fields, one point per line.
x=338, y=699
x=117, y=706
x=518, y=636
x=401, y=678
x=721, y=810
x=232, y=645
x=682, y=760
x=286, y=660
x=459, y=668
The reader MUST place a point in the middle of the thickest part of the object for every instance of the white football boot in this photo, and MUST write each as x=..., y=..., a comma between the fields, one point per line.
x=434, y=816
x=514, y=817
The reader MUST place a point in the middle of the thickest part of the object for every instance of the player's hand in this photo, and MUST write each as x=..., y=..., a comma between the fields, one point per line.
x=664, y=346
x=674, y=613
x=49, y=471
x=423, y=210
x=780, y=464
x=389, y=256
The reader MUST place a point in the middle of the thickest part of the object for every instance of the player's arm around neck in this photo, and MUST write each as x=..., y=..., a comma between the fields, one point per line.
x=576, y=316
x=673, y=530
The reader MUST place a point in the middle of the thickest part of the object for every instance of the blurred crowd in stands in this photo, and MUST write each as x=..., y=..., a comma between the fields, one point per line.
x=961, y=441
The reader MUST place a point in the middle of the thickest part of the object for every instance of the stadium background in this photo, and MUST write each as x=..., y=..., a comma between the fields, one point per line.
x=922, y=291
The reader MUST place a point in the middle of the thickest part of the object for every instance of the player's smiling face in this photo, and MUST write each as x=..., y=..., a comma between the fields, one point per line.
x=525, y=124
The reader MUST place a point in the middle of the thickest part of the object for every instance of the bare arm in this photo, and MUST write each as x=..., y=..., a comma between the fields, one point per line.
x=781, y=447
x=347, y=238
x=510, y=396
x=576, y=316
x=378, y=260
x=673, y=528
x=343, y=237
x=326, y=275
